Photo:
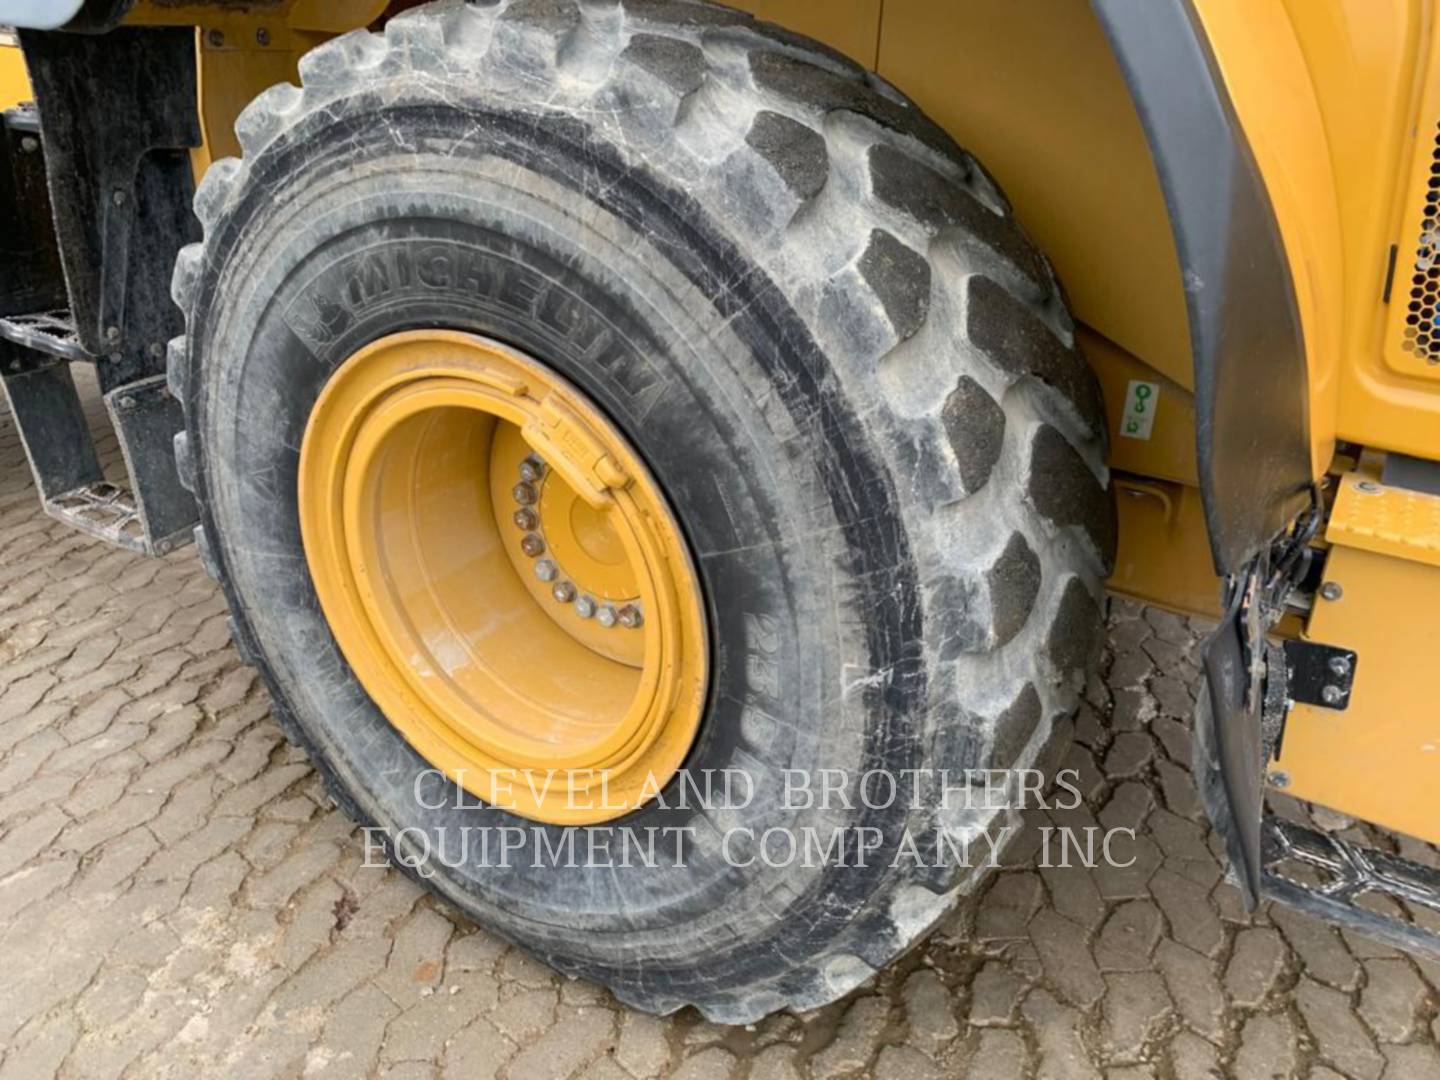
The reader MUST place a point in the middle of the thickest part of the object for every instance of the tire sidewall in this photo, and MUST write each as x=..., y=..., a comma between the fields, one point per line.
x=792, y=521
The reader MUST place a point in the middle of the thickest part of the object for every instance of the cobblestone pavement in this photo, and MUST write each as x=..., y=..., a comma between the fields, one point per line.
x=178, y=898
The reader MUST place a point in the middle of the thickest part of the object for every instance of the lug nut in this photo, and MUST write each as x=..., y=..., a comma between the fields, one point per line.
x=1331, y=590
x=532, y=469
x=1332, y=695
x=585, y=607
x=563, y=592
x=606, y=616
x=524, y=494
x=629, y=617
x=1339, y=666
x=545, y=570
x=525, y=519
x=532, y=546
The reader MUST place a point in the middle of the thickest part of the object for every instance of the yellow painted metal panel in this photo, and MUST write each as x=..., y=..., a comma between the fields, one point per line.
x=1167, y=451
x=1380, y=758
x=1328, y=92
x=1164, y=555
x=14, y=82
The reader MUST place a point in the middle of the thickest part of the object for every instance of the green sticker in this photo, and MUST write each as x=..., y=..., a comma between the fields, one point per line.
x=1141, y=400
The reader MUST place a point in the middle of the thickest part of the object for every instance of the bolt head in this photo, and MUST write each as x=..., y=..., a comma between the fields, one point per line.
x=585, y=607
x=1332, y=695
x=112, y=334
x=606, y=616
x=563, y=592
x=216, y=38
x=524, y=494
x=1279, y=779
x=532, y=546
x=532, y=469
x=1339, y=666
x=1369, y=487
x=546, y=570
x=1331, y=590
x=127, y=403
x=262, y=36
x=629, y=617
x=29, y=144
x=118, y=197
x=525, y=519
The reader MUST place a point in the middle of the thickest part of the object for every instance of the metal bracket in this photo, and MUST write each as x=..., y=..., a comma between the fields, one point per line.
x=1320, y=674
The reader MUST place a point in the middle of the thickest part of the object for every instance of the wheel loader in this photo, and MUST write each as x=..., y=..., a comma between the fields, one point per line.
x=626, y=392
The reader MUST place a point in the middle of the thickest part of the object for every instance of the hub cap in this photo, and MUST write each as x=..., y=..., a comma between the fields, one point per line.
x=503, y=575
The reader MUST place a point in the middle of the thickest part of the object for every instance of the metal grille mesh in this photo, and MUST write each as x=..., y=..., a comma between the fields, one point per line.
x=1422, y=321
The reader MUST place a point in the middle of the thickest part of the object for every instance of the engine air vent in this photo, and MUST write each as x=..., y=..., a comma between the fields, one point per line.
x=1422, y=323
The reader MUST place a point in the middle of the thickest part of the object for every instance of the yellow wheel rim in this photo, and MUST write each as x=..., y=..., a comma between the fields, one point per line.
x=504, y=576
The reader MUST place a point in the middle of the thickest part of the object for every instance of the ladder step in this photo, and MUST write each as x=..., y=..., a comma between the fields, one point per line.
x=103, y=510
x=1326, y=876
x=49, y=332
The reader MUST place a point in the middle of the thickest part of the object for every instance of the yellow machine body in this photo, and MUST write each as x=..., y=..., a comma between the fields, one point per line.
x=1339, y=104
x=14, y=85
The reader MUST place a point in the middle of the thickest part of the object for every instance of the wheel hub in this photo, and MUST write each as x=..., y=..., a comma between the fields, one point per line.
x=503, y=576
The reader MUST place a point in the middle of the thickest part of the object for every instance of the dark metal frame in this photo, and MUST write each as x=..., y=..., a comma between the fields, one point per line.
x=115, y=119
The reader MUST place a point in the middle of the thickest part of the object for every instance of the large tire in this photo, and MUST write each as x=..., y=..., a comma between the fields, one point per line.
x=846, y=365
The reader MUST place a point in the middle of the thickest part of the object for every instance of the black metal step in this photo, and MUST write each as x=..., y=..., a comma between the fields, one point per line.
x=1328, y=877
x=103, y=510
x=51, y=333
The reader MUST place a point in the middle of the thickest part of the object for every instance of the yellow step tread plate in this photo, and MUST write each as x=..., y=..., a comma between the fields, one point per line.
x=1386, y=520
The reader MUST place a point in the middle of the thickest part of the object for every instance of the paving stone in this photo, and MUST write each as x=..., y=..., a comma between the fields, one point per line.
x=1128, y=807
x=1074, y=894
x=1322, y=952
x=1267, y=1048
x=1172, y=697
x=1129, y=754
x=1008, y=905
x=999, y=1055
x=776, y=1063
x=41, y=1049
x=1068, y=964
x=1128, y=937
x=994, y=995
x=903, y=1063
x=1192, y=1058
x=1191, y=919
x=1392, y=998
x=1056, y=1031
x=1135, y=1007
x=1132, y=865
x=1193, y=987
x=1418, y=1061
x=1256, y=963
x=1341, y=1037
x=928, y=1010
x=578, y=1036
x=855, y=1040
x=477, y=1053
x=642, y=1047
